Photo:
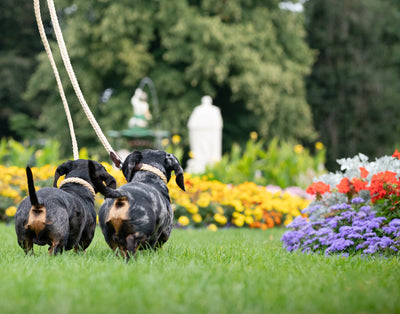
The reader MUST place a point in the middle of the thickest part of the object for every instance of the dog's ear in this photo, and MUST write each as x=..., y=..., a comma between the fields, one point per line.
x=129, y=164
x=62, y=169
x=107, y=178
x=173, y=164
x=98, y=174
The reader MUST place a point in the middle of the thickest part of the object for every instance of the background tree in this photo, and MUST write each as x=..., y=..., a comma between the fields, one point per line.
x=19, y=44
x=353, y=89
x=250, y=56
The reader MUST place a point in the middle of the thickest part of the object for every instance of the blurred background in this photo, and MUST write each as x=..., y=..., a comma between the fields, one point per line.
x=316, y=71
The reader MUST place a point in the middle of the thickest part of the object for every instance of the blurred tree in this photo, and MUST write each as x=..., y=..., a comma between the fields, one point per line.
x=354, y=85
x=250, y=56
x=19, y=44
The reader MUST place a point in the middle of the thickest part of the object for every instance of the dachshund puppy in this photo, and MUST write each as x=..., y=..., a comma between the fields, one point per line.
x=63, y=218
x=138, y=215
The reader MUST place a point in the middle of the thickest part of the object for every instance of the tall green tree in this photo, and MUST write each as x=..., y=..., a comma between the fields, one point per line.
x=19, y=44
x=250, y=56
x=354, y=89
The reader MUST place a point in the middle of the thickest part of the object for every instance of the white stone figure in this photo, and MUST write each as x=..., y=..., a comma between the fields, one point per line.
x=205, y=135
x=141, y=112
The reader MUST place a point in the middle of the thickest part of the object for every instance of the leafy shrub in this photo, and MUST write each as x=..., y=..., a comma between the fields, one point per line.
x=281, y=163
x=13, y=153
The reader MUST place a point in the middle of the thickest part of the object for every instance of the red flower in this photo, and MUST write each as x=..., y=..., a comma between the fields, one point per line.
x=344, y=186
x=318, y=188
x=364, y=172
x=396, y=154
x=383, y=184
x=359, y=184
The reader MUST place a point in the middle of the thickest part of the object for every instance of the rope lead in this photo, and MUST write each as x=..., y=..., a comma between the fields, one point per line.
x=71, y=74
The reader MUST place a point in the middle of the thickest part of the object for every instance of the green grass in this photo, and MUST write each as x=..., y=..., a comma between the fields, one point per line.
x=197, y=271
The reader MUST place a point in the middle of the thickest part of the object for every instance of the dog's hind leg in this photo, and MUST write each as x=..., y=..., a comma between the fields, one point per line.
x=27, y=245
x=131, y=245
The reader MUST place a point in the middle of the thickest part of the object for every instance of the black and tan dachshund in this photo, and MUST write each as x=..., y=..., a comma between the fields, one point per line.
x=139, y=215
x=64, y=217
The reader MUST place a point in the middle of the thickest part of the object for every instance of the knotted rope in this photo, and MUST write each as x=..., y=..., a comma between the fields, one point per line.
x=71, y=74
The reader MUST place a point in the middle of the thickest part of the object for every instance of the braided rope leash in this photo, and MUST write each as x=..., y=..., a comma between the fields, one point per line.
x=67, y=63
x=36, y=5
x=78, y=181
x=156, y=171
x=71, y=74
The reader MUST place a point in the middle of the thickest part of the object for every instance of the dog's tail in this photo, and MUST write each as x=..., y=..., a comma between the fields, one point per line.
x=100, y=186
x=31, y=188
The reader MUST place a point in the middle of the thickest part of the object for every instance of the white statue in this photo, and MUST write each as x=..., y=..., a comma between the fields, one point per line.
x=141, y=112
x=205, y=135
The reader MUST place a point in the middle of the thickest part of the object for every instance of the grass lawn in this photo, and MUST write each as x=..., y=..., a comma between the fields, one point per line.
x=197, y=271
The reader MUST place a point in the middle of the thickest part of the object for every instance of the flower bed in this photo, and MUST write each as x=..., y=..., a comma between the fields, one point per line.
x=206, y=203
x=356, y=210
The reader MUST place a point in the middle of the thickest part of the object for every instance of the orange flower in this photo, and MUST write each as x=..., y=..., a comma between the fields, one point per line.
x=364, y=172
x=359, y=184
x=396, y=154
x=318, y=188
x=344, y=186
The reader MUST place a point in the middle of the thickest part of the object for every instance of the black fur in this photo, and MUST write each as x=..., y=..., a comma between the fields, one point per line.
x=145, y=199
x=63, y=218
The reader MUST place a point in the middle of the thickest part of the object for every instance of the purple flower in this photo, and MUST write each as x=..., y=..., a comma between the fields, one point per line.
x=297, y=222
x=341, y=206
x=366, y=208
x=339, y=245
x=395, y=223
x=311, y=209
x=357, y=200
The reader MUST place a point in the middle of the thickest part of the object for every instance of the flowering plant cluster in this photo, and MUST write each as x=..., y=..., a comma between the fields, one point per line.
x=206, y=203
x=355, y=210
x=13, y=186
x=213, y=204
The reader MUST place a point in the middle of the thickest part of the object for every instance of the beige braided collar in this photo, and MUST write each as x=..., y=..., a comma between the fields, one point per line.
x=146, y=167
x=79, y=181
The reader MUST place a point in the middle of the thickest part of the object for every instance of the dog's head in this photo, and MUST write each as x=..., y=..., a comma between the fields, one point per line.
x=156, y=158
x=80, y=169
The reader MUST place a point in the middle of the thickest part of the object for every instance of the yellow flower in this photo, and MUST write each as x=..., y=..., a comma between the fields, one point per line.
x=191, y=154
x=319, y=146
x=253, y=136
x=220, y=210
x=192, y=208
x=298, y=149
x=239, y=222
x=204, y=200
x=164, y=142
x=197, y=218
x=221, y=219
x=212, y=227
x=176, y=139
x=183, y=220
x=10, y=211
x=249, y=220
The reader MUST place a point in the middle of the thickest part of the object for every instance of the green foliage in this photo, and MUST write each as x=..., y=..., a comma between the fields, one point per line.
x=280, y=163
x=353, y=88
x=251, y=57
x=19, y=43
x=13, y=153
